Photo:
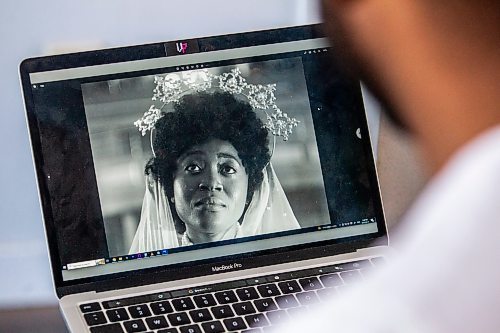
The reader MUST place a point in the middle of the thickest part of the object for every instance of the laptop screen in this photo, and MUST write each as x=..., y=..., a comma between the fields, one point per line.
x=178, y=153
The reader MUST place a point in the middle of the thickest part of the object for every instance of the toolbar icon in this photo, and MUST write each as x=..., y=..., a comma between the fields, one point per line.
x=182, y=47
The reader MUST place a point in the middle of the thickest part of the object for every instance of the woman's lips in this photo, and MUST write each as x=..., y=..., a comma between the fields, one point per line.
x=210, y=202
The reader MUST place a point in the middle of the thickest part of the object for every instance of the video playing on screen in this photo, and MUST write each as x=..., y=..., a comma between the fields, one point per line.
x=205, y=155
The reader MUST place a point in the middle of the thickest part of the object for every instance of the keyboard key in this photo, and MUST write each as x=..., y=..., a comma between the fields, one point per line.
x=213, y=327
x=287, y=301
x=247, y=294
x=266, y=304
x=351, y=276
x=183, y=304
x=90, y=307
x=112, y=328
x=159, y=308
x=289, y=287
x=223, y=311
x=117, y=315
x=200, y=315
x=253, y=330
x=277, y=317
x=139, y=311
x=235, y=324
x=155, y=323
x=226, y=297
x=268, y=290
x=307, y=298
x=169, y=330
x=294, y=312
x=341, y=289
x=134, y=326
x=203, y=301
x=331, y=280
x=311, y=283
x=326, y=294
x=244, y=308
x=96, y=318
x=177, y=319
x=257, y=320
x=190, y=329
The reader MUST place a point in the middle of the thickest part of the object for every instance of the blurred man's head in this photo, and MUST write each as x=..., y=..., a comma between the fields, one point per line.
x=435, y=64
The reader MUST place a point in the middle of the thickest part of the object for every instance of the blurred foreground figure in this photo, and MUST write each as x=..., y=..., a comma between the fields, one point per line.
x=436, y=66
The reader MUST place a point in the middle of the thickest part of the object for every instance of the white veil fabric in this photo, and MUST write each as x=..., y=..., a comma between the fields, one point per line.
x=156, y=228
x=269, y=211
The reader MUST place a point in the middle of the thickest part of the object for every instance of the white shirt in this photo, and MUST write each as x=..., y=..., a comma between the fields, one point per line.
x=447, y=275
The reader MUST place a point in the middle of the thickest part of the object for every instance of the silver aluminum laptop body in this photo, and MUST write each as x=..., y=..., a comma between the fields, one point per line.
x=90, y=161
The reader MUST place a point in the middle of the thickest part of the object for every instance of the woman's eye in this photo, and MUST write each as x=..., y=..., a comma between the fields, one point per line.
x=228, y=170
x=193, y=168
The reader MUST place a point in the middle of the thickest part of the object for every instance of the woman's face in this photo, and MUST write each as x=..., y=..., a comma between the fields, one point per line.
x=210, y=188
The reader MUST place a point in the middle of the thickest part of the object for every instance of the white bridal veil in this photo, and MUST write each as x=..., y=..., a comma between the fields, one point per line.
x=268, y=212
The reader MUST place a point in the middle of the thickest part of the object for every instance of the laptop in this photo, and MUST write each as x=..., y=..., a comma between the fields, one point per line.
x=214, y=184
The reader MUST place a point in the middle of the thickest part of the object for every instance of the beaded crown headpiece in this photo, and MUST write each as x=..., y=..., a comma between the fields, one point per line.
x=171, y=87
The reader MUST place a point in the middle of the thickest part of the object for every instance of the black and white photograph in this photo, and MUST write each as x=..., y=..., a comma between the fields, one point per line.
x=204, y=155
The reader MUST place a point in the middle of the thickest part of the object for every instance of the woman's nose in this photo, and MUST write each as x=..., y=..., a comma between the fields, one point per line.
x=211, y=182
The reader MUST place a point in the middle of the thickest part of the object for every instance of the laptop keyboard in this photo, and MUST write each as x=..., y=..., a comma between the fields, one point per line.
x=250, y=305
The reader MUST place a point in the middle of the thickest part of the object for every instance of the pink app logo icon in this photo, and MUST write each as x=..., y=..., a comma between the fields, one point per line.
x=181, y=47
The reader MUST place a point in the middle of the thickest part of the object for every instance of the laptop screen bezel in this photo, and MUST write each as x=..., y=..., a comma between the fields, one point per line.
x=197, y=268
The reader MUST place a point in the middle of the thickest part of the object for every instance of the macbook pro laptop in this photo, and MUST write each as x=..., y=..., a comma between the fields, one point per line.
x=206, y=185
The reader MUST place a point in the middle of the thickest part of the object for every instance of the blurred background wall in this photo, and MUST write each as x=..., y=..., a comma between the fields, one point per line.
x=33, y=28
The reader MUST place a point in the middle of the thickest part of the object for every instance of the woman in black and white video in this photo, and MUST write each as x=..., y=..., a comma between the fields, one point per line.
x=210, y=178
